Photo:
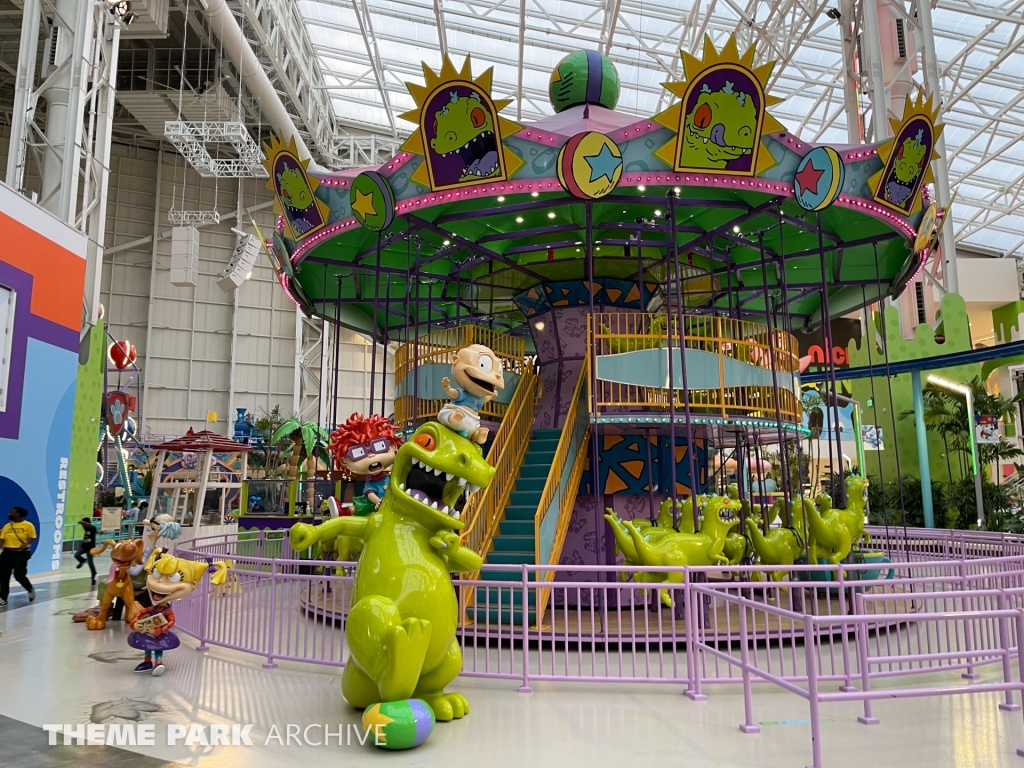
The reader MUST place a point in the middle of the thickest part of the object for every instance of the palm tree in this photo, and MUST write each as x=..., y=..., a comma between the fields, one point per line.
x=309, y=442
x=945, y=412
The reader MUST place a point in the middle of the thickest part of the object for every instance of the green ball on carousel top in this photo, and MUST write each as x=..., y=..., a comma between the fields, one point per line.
x=584, y=77
x=399, y=724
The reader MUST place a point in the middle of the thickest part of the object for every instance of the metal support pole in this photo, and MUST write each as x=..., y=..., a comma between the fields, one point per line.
x=872, y=48
x=940, y=170
x=924, y=466
x=23, y=102
x=975, y=463
x=144, y=425
x=851, y=80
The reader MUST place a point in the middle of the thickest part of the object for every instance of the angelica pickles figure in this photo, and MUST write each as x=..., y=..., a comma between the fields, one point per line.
x=169, y=578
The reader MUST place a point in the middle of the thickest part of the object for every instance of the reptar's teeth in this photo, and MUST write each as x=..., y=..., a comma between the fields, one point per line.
x=473, y=488
x=434, y=505
x=457, y=514
x=437, y=471
x=462, y=482
x=401, y=486
x=445, y=510
x=448, y=475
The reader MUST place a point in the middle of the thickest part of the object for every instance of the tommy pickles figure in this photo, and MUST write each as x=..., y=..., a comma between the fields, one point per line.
x=477, y=376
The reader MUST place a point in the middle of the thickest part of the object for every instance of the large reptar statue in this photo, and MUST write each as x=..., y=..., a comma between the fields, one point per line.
x=401, y=627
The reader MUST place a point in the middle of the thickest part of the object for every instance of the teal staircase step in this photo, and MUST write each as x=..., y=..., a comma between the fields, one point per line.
x=515, y=528
x=546, y=434
x=493, y=597
x=505, y=616
x=510, y=558
x=524, y=499
x=539, y=457
x=521, y=512
x=492, y=575
x=515, y=544
x=542, y=446
x=521, y=544
x=531, y=483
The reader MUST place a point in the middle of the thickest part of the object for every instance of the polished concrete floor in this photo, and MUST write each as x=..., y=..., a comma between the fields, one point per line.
x=54, y=671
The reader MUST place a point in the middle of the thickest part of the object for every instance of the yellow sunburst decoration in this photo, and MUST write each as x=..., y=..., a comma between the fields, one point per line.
x=722, y=113
x=907, y=157
x=294, y=189
x=460, y=133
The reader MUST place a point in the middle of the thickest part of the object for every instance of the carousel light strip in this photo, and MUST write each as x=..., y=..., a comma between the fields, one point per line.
x=709, y=421
x=314, y=240
x=283, y=279
x=539, y=136
x=706, y=180
x=335, y=182
x=634, y=131
x=879, y=212
x=723, y=181
x=859, y=154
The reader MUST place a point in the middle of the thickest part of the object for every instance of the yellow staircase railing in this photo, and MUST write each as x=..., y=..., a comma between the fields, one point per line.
x=554, y=510
x=437, y=347
x=486, y=507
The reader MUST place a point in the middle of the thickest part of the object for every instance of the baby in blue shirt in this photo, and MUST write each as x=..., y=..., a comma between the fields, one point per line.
x=477, y=375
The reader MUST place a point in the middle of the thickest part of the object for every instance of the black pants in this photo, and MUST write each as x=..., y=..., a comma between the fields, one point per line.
x=16, y=561
x=83, y=554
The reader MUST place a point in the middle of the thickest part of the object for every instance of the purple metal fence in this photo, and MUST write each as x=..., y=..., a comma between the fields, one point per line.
x=949, y=601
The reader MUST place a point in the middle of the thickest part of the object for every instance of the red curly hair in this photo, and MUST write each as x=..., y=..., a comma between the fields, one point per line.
x=360, y=430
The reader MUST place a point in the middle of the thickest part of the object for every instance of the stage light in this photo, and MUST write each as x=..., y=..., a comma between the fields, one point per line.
x=122, y=11
x=833, y=13
x=519, y=219
x=501, y=198
x=551, y=215
x=534, y=194
x=641, y=188
x=657, y=211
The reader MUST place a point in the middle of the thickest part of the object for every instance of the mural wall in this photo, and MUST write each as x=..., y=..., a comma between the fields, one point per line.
x=42, y=276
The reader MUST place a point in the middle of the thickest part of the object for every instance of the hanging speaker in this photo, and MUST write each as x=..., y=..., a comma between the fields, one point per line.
x=239, y=269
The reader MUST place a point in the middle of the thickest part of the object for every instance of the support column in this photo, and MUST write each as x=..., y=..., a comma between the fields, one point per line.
x=23, y=101
x=872, y=48
x=851, y=84
x=939, y=167
x=144, y=426
x=924, y=467
x=297, y=373
x=230, y=420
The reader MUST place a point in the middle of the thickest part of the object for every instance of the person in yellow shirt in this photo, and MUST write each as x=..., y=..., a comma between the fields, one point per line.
x=16, y=538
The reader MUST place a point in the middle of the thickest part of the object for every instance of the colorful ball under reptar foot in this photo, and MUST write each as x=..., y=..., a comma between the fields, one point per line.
x=399, y=724
x=584, y=77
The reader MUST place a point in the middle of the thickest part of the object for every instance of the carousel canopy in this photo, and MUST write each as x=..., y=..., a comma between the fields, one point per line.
x=712, y=202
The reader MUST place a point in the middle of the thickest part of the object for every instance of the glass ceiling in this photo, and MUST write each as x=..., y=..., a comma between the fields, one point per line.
x=369, y=48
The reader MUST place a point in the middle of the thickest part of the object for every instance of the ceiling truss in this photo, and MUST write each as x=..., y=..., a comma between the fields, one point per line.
x=367, y=49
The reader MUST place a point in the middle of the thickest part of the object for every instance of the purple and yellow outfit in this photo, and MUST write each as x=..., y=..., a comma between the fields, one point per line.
x=163, y=640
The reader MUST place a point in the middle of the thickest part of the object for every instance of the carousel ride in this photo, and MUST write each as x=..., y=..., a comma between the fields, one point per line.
x=639, y=279
x=628, y=288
